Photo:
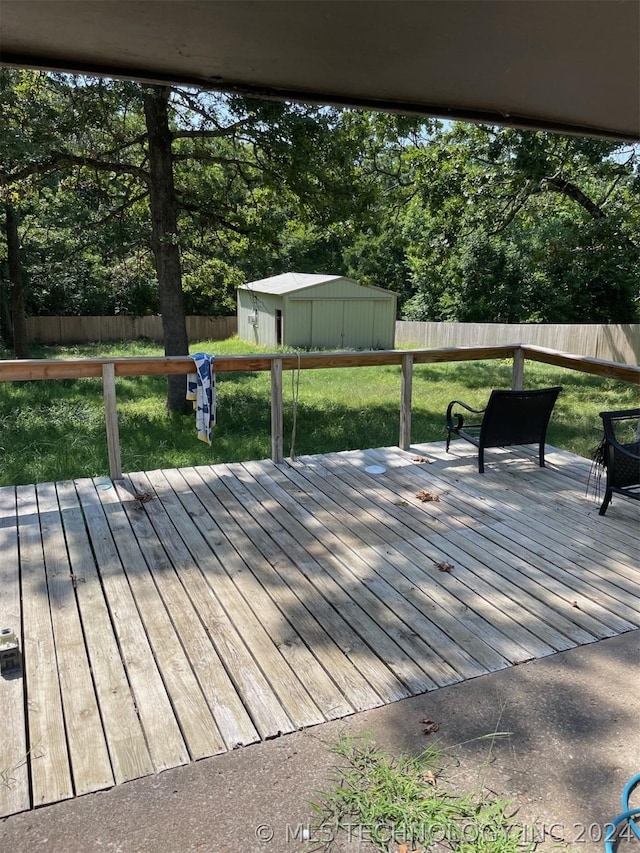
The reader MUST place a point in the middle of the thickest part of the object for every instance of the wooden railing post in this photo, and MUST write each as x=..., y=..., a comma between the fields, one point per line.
x=276, y=410
x=405, y=401
x=517, y=376
x=111, y=420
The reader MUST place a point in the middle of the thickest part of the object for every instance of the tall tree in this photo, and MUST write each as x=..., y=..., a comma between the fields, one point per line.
x=20, y=341
x=163, y=204
x=203, y=161
x=15, y=149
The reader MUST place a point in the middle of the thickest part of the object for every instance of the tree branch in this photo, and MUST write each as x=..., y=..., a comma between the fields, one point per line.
x=569, y=189
x=207, y=157
x=120, y=209
x=214, y=219
x=192, y=104
x=210, y=133
x=101, y=165
x=517, y=206
x=614, y=183
x=138, y=140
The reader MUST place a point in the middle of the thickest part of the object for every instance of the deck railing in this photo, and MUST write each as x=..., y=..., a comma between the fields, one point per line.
x=110, y=368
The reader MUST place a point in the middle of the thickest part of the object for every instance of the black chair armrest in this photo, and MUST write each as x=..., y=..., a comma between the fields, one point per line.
x=630, y=450
x=458, y=416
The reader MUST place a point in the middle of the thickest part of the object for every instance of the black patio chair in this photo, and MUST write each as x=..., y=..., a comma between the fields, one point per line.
x=510, y=417
x=619, y=454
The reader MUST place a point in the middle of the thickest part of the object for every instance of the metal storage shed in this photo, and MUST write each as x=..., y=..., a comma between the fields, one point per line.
x=316, y=311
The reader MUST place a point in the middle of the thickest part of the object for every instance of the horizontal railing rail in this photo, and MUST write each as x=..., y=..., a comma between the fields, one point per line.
x=76, y=368
x=108, y=369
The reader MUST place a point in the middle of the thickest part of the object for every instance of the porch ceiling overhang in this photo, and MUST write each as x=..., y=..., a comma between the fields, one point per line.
x=566, y=65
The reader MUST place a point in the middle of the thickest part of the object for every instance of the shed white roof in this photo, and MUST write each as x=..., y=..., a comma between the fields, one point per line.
x=288, y=282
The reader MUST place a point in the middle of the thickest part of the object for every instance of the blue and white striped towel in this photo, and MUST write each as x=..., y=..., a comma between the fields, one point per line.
x=201, y=389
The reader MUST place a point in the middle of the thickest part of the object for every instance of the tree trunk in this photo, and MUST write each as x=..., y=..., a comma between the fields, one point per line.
x=18, y=316
x=6, y=331
x=164, y=237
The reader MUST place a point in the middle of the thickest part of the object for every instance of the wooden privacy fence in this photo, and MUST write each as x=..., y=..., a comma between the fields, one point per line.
x=619, y=343
x=109, y=369
x=79, y=330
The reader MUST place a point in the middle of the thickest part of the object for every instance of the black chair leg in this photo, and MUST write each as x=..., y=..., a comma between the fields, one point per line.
x=481, y=460
x=448, y=441
x=541, y=455
x=605, y=502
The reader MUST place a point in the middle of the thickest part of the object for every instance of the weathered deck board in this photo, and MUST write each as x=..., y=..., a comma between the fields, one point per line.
x=265, y=632
x=542, y=547
x=425, y=580
x=403, y=565
x=194, y=717
x=177, y=614
x=312, y=651
x=352, y=627
x=541, y=551
x=229, y=713
x=444, y=517
x=402, y=649
x=48, y=754
x=290, y=589
x=90, y=765
x=465, y=651
x=547, y=545
x=162, y=732
x=14, y=773
x=128, y=750
x=266, y=713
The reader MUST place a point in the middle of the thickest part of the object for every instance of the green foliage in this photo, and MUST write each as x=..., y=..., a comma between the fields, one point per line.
x=403, y=800
x=465, y=222
x=247, y=173
x=515, y=226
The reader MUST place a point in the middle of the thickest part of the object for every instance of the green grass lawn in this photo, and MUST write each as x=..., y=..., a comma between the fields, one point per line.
x=54, y=430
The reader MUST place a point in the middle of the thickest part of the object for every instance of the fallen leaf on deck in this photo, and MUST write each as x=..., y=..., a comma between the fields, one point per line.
x=401, y=503
x=444, y=567
x=422, y=460
x=429, y=726
x=427, y=496
x=143, y=497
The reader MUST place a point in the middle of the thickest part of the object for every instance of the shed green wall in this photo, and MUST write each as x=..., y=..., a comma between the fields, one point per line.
x=267, y=304
x=340, y=323
x=297, y=322
x=338, y=314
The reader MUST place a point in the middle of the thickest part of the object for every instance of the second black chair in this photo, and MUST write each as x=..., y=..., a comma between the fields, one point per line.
x=510, y=417
x=619, y=454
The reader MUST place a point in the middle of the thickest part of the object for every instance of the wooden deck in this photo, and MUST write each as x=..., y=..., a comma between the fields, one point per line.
x=187, y=612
